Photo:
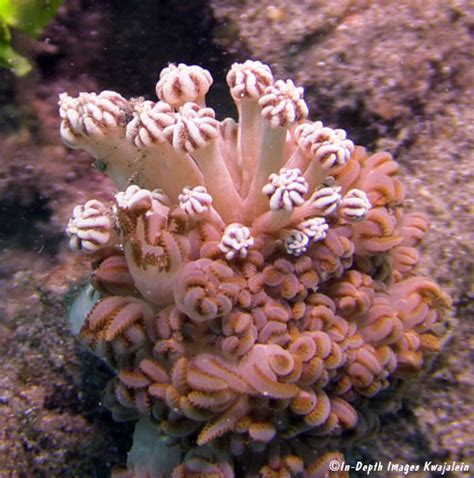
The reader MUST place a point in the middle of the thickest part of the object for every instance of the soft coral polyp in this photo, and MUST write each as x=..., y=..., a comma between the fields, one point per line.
x=256, y=278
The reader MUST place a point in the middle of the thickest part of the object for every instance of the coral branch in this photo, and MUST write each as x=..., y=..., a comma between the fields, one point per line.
x=248, y=82
x=96, y=123
x=282, y=105
x=158, y=161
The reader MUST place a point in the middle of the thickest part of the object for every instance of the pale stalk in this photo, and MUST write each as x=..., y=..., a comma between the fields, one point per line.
x=271, y=221
x=249, y=134
x=160, y=166
x=315, y=174
x=298, y=160
x=117, y=154
x=270, y=159
x=218, y=182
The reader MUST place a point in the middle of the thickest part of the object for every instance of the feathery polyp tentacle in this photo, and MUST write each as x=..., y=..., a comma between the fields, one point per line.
x=324, y=149
x=285, y=191
x=181, y=83
x=197, y=203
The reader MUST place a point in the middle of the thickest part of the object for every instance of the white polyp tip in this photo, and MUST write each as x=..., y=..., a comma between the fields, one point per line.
x=195, y=200
x=249, y=79
x=149, y=121
x=134, y=199
x=102, y=112
x=160, y=196
x=296, y=243
x=181, y=84
x=315, y=228
x=355, y=205
x=66, y=102
x=71, y=126
x=283, y=104
x=286, y=189
x=236, y=241
x=326, y=199
x=327, y=146
x=90, y=227
x=194, y=129
x=90, y=115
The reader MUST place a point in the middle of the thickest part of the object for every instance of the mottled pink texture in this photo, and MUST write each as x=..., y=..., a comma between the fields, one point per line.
x=255, y=312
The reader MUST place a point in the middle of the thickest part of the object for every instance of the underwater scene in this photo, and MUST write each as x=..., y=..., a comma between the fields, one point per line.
x=236, y=239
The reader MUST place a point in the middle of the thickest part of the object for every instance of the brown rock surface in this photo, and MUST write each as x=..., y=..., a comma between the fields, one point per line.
x=50, y=387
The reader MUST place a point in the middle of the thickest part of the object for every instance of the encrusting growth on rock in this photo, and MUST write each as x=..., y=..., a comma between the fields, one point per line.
x=256, y=278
